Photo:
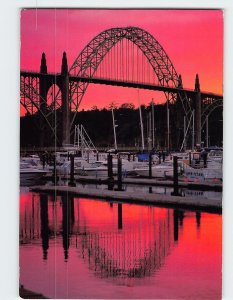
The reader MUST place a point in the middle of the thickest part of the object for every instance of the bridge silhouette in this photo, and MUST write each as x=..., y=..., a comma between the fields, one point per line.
x=127, y=57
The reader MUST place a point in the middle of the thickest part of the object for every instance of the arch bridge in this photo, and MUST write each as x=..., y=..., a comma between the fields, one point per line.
x=127, y=57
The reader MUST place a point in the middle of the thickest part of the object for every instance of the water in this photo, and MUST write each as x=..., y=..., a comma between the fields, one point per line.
x=84, y=248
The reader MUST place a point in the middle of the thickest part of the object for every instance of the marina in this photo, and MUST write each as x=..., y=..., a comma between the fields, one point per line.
x=121, y=157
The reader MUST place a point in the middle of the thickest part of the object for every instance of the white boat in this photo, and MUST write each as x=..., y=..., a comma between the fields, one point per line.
x=30, y=172
x=198, y=173
x=162, y=170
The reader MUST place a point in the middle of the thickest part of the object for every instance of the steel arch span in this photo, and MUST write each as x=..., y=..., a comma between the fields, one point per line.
x=86, y=64
x=209, y=109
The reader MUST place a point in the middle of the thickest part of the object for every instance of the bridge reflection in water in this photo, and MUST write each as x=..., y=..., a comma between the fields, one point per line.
x=120, y=243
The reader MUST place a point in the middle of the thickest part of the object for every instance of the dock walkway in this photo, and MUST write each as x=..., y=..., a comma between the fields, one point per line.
x=211, y=205
x=154, y=182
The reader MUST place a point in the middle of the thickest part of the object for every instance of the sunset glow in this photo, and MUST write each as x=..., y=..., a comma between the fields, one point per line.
x=180, y=32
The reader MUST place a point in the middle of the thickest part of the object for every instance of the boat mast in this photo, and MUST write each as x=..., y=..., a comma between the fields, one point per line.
x=153, y=125
x=184, y=133
x=168, y=127
x=141, y=123
x=193, y=131
x=114, y=130
x=207, y=131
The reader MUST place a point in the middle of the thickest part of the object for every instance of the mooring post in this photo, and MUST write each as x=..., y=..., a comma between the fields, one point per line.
x=159, y=157
x=190, y=159
x=54, y=176
x=163, y=155
x=110, y=173
x=129, y=157
x=119, y=174
x=150, y=165
x=88, y=156
x=175, y=176
x=71, y=182
x=97, y=155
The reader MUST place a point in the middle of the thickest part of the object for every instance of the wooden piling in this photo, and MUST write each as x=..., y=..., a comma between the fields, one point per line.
x=71, y=182
x=110, y=172
x=175, y=177
x=190, y=159
x=119, y=174
x=150, y=165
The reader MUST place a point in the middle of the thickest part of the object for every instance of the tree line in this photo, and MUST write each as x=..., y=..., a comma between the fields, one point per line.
x=99, y=125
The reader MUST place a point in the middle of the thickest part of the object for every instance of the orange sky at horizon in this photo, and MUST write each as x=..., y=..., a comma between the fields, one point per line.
x=193, y=39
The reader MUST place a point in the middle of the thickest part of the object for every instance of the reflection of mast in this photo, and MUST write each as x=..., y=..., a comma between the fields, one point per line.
x=44, y=224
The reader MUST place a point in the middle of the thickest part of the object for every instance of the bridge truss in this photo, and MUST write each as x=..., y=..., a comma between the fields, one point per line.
x=122, y=55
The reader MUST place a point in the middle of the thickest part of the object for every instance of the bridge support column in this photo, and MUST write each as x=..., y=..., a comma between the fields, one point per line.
x=197, y=108
x=43, y=97
x=64, y=85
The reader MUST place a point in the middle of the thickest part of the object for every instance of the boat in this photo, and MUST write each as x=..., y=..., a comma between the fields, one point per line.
x=200, y=171
x=162, y=170
x=30, y=172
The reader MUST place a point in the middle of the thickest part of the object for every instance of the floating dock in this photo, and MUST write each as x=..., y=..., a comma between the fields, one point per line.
x=210, y=205
x=204, y=186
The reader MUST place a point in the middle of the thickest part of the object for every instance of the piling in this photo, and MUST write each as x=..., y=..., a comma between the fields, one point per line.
x=119, y=174
x=190, y=160
x=150, y=165
x=175, y=177
x=54, y=175
x=97, y=156
x=163, y=156
x=71, y=182
x=110, y=173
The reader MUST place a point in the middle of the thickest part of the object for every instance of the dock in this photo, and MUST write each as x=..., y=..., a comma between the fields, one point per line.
x=203, y=186
x=210, y=205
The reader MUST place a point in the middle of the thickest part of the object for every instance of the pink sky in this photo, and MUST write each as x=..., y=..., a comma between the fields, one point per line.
x=193, y=39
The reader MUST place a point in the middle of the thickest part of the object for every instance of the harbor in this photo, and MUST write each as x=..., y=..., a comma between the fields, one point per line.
x=121, y=166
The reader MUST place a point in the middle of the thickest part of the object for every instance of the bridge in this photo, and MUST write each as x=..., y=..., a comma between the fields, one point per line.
x=127, y=57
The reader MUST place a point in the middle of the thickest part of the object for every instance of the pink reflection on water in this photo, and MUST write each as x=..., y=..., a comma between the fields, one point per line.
x=81, y=248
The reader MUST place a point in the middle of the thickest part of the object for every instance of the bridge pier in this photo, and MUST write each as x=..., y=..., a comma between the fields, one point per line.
x=43, y=97
x=197, y=112
x=65, y=107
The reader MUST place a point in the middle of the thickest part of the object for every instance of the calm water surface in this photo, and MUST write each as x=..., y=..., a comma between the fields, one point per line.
x=85, y=248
